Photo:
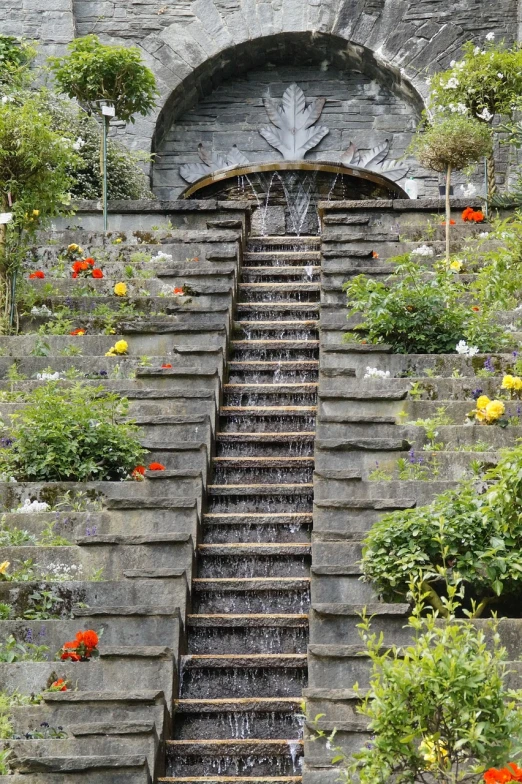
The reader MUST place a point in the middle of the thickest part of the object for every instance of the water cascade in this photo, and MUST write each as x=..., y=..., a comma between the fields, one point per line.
x=238, y=715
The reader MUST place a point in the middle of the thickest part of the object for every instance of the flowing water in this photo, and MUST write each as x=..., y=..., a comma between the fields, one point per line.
x=238, y=714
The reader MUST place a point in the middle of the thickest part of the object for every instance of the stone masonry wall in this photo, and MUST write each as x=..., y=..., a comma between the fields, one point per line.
x=193, y=47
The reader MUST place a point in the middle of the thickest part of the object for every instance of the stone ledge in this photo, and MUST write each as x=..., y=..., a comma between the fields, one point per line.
x=362, y=445
x=123, y=539
x=79, y=612
x=113, y=728
x=146, y=696
x=135, y=652
x=355, y=610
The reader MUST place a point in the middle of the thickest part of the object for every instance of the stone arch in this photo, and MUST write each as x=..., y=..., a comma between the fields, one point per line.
x=210, y=37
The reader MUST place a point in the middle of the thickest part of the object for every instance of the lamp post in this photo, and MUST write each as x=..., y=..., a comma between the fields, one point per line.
x=107, y=111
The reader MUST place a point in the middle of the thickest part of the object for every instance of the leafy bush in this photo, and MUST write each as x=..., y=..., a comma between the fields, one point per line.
x=438, y=709
x=419, y=311
x=499, y=277
x=473, y=533
x=125, y=178
x=71, y=433
x=16, y=56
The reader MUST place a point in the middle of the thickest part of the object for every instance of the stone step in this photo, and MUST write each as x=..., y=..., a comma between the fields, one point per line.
x=254, y=560
x=261, y=718
x=220, y=780
x=283, y=528
x=266, y=633
x=251, y=595
x=277, y=311
x=255, y=757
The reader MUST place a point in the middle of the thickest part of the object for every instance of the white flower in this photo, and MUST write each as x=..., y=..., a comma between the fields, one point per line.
x=6, y=99
x=483, y=235
x=162, y=257
x=490, y=37
x=423, y=250
x=468, y=190
x=41, y=311
x=376, y=373
x=32, y=507
x=485, y=114
x=48, y=376
x=500, y=75
x=78, y=144
x=452, y=83
x=463, y=348
x=476, y=50
x=453, y=64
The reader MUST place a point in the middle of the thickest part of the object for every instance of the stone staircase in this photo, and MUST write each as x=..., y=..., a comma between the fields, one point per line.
x=238, y=718
x=209, y=589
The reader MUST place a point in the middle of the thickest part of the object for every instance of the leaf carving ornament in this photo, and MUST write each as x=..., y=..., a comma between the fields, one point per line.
x=294, y=130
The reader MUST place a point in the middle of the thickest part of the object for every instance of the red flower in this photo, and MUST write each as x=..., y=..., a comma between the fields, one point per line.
x=452, y=222
x=97, y=273
x=74, y=275
x=72, y=656
x=475, y=308
x=80, y=266
x=90, y=261
x=89, y=638
x=477, y=216
x=37, y=274
x=466, y=214
x=166, y=366
x=178, y=290
x=139, y=471
x=156, y=467
x=78, y=331
x=59, y=684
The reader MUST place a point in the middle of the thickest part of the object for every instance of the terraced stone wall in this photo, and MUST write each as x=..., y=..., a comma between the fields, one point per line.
x=362, y=425
x=140, y=536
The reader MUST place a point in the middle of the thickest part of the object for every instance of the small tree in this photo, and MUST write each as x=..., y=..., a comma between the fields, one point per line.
x=485, y=82
x=16, y=56
x=93, y=73
x=35, y=166
x=449, y=144
x=439, y=709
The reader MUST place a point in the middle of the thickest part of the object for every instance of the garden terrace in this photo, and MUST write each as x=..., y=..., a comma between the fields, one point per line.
x=228, y=584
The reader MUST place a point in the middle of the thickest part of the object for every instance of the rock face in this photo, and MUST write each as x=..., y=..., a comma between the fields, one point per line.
x=215, y=61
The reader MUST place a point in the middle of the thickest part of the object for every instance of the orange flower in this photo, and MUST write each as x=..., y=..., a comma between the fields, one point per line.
x=139, y=471
x=89, y=638
x=97, y=273
x=72, y=656
x=452, y=222
x=467, y=213
x=37, y=274
x=80, y=266
x=476, y=308
x=59, y=684
x=74, y=275
x=90, y=261
x=178, y=290
x=78, y=331
x=477, y=216
x=375, y=255
x=166, y=366
x=156, y=467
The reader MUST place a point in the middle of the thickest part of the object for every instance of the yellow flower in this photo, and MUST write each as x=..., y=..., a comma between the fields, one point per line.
x=517, y=383
x=118, y=240
x=483, y=401
x=480, y=416
x=36, y=213
x=121, y=347
x=508, y=382
x=433, y=752
x=456, y=266
x=4, y=566
x=120, y=289
x=72, y=248
x=110, y=352
x=494, y=410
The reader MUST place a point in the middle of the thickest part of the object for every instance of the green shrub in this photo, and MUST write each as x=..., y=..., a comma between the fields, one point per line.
x=438, y=709
x=463, y=534
x=419, y=311
x=125, y=178
x=71, y=433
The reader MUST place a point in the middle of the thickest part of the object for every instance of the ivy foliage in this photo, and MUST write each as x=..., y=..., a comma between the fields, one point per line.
x=472, y=533
x=92, y=72
x=16, y=56
x=419, y=310
x=71, y=433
